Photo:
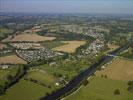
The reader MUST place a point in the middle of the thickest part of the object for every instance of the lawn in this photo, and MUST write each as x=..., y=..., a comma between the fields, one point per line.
x=25, y=90
x=102, y=89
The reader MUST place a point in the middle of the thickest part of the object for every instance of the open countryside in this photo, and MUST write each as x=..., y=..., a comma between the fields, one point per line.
x=66, y=50
x=119, y=69
x=11, y=59
x=102, y=89
x=24, y=90
x=70, y=46
x=28, y=37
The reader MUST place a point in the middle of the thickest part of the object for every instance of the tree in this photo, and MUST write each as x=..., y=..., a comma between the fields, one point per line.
x=130, y=86
x=116, y=92
x=105, y=76
x=85, y=82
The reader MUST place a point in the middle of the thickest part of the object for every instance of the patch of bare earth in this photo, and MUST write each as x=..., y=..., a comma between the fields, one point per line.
x=11, y=59
x=119, y=69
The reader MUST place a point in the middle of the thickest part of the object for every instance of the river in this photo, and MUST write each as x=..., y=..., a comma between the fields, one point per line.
x=76, y=82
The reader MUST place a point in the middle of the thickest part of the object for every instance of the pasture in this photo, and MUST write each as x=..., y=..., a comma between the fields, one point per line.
x=119, y=69
x=52, y=44
x=101, y=89
x=4, y=32
x=25, y=90
x=6, y=72
x=11, y=59
x=70, y=46
x=41, y=76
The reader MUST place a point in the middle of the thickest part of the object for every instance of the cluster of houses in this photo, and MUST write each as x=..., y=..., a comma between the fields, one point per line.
x=34, y=29
x=4, y=66
x=94, y=34
x=36, y=54
x=26, y=45
x=3, y=52
x=94, y=48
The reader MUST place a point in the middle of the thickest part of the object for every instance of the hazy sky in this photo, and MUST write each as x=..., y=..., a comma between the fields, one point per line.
x=67, y=6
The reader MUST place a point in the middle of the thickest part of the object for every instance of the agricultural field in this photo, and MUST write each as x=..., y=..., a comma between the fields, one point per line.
x=41, y=76
x=11, y=59
x=52, y=44
x=4, y=32
x=27, y=38
x=4, y=73
x=25, y=90
x=119, y=69
x=70, y=46
x=68, y=68
x=101, y=89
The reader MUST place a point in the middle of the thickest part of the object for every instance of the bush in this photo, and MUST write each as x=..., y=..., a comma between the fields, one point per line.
x=130, y=83
x=85, y=82
x=105, y=76
x=130, y=86
x=116, y=92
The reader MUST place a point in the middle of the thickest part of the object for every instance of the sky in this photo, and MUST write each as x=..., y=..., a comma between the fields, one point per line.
x=67, y=6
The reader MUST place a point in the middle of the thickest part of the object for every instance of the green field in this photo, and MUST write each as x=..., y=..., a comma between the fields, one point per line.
x=52, y=44
x=5, y=73
x=102, y=89
x=4, y=32
x=41, y=76
x=25, y=90
x=128, y=53
x=69, y=68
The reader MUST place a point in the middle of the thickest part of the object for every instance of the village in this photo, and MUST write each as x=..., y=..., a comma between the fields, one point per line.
x=37, y=55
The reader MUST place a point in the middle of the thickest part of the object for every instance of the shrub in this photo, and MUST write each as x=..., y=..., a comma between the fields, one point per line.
x=130, y=86
x=116, y=92
x=85, y=82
